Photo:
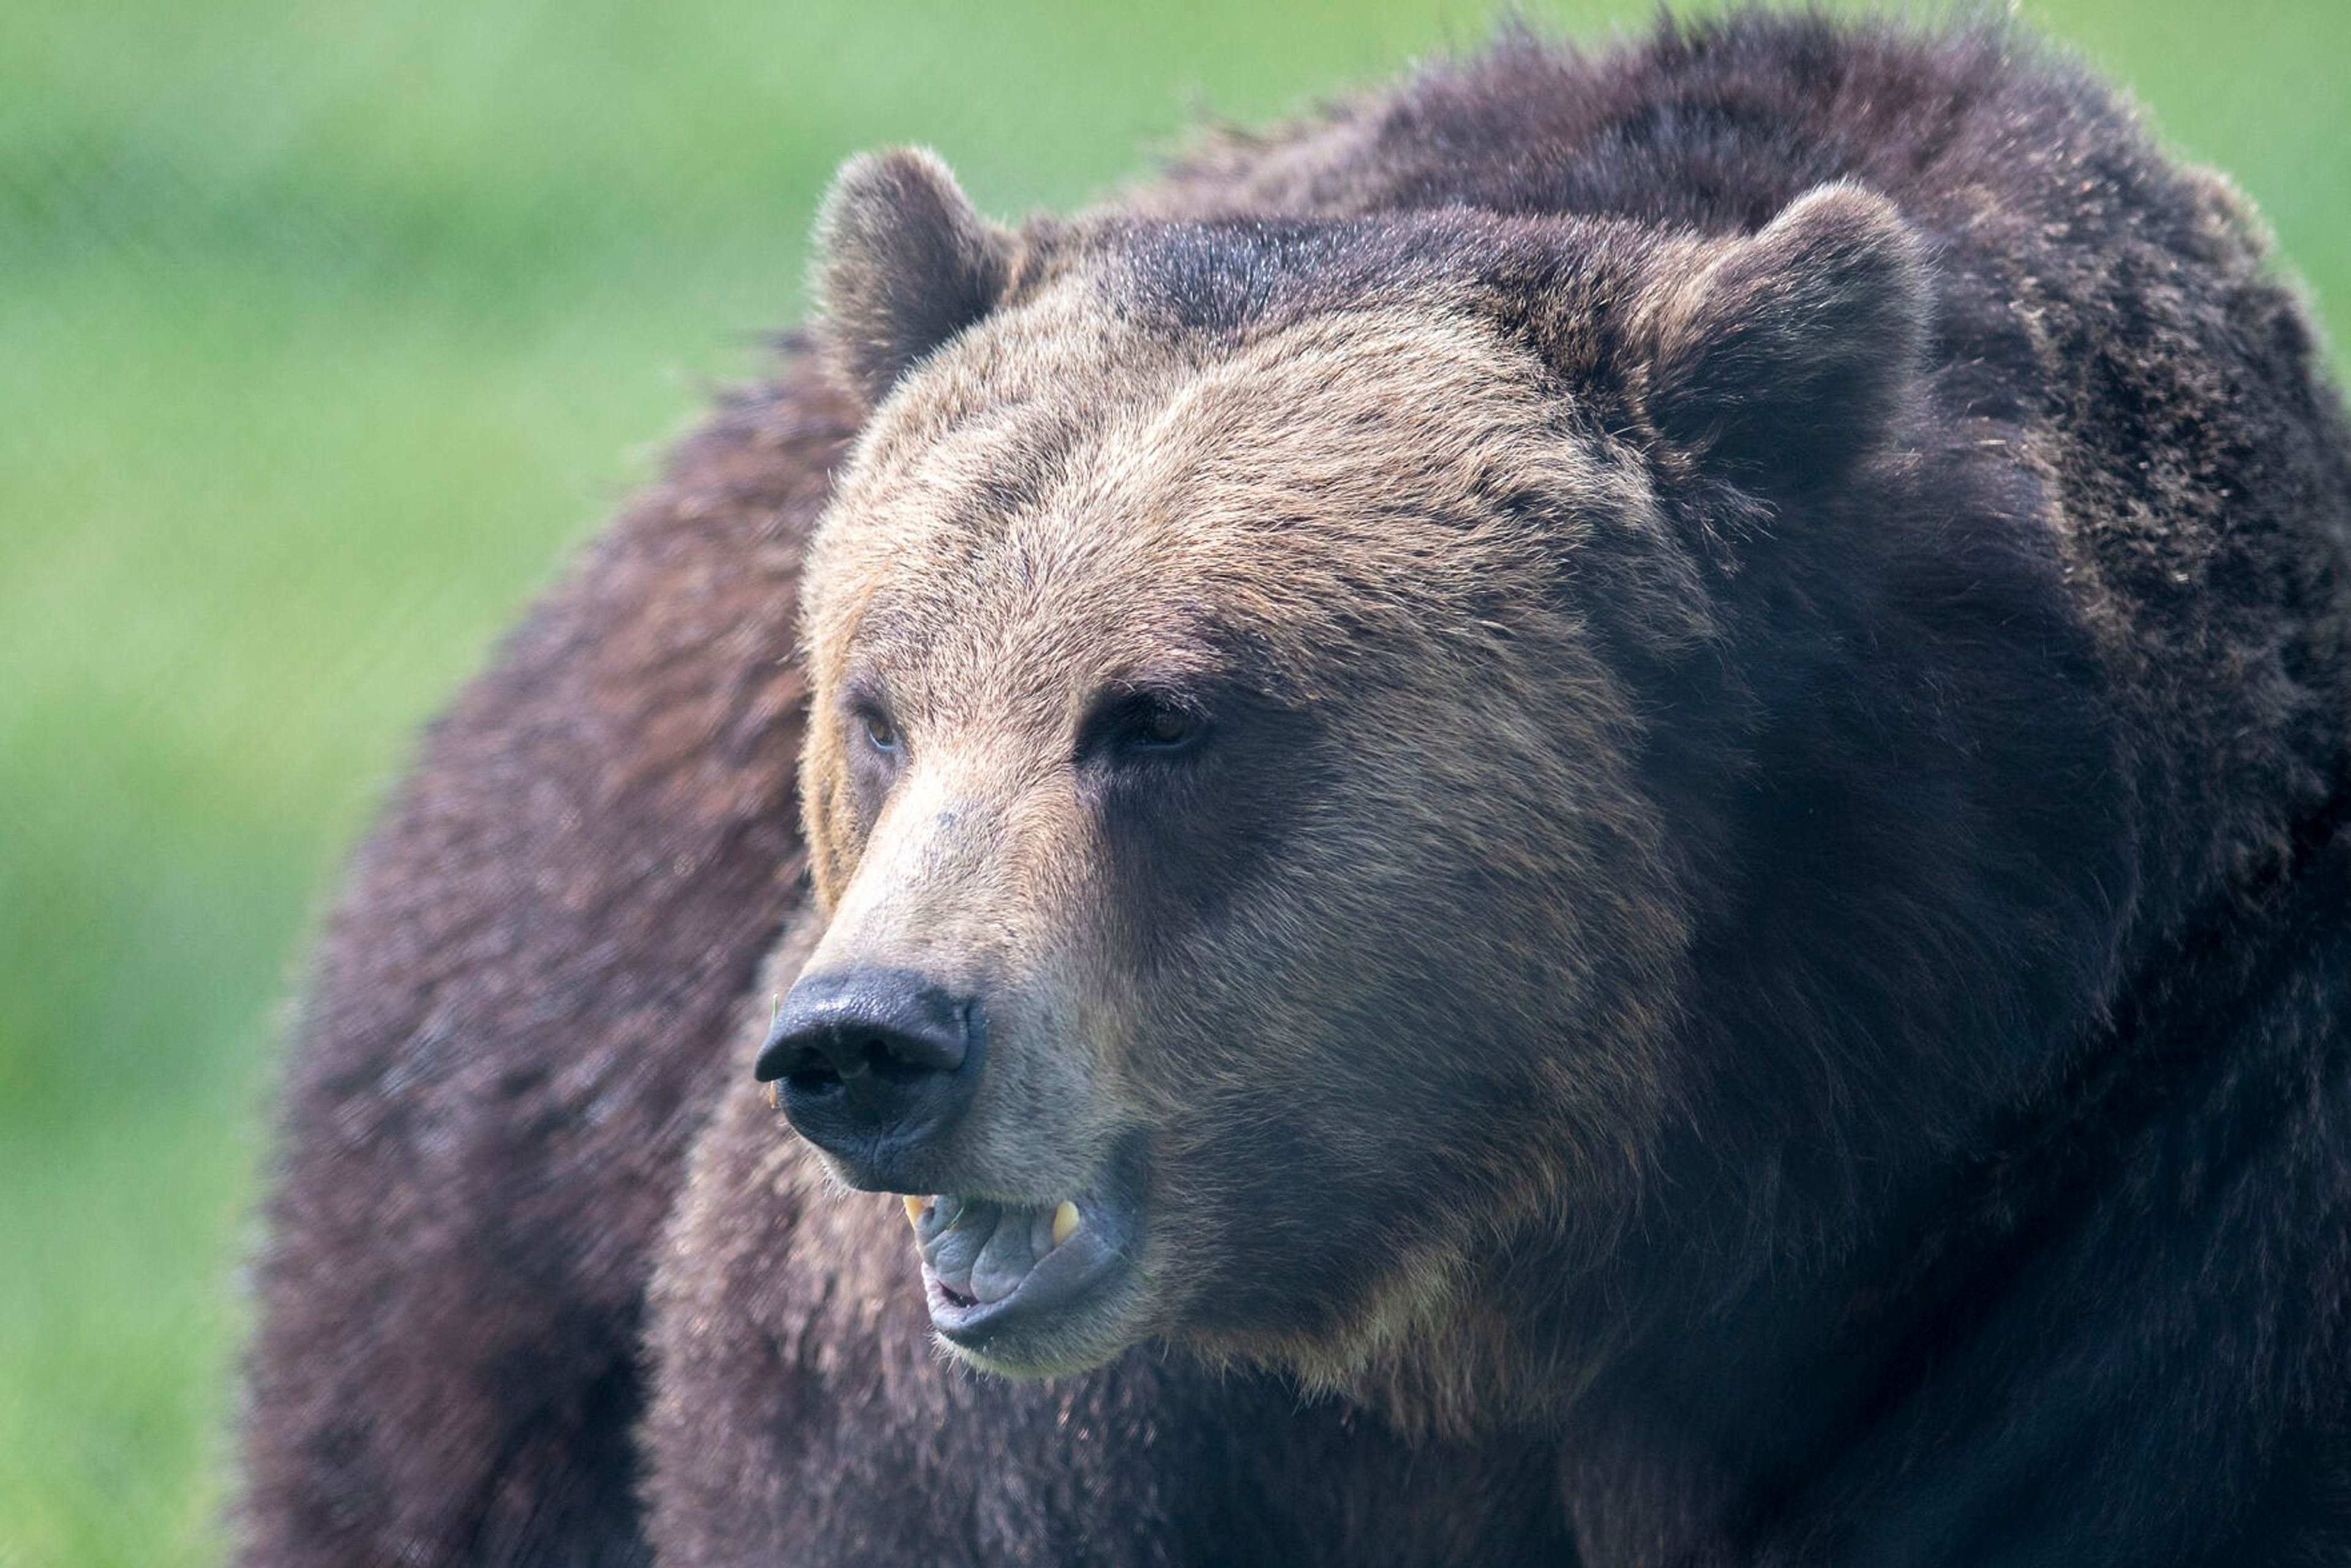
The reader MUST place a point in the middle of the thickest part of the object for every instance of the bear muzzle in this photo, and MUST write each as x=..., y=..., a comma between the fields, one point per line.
x=1023, y=1271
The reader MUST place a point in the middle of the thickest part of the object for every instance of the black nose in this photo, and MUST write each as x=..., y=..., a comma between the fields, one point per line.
x=872, y=1065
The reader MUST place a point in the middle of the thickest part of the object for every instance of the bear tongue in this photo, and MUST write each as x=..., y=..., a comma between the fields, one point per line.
x=1006, y=1260
x=983, y=1250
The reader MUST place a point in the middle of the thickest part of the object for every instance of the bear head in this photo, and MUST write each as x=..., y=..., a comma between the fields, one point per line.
x=1280, y=732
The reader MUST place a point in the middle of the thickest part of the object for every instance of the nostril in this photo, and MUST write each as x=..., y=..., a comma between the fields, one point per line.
x=885, y=1062
x=817, y=1077
x=841, y=1057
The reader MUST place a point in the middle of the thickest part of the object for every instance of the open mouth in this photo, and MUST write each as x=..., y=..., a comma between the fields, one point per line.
x=988, y=1266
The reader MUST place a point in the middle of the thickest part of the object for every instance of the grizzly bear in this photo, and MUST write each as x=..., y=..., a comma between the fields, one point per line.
x=1599, y=810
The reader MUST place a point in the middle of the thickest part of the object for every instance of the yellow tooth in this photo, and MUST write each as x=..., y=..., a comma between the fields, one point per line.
x=1065, y=1222
x=914, y=1207
x=775, y=1095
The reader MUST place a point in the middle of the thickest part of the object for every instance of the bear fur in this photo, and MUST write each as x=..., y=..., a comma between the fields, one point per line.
x=1753, y=965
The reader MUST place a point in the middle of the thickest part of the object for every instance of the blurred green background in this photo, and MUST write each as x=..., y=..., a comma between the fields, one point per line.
x=324, y=330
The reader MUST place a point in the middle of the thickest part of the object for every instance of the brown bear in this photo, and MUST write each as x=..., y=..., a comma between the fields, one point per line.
x=1598, y=810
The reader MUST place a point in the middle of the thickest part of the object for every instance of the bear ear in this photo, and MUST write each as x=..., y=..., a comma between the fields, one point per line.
x=903, y=264
x=1789, y=355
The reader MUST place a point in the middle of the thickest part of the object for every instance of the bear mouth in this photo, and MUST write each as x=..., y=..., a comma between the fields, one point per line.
x=991, y=1267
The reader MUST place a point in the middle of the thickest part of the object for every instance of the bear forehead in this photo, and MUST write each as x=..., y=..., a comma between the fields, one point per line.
x=1077, y=483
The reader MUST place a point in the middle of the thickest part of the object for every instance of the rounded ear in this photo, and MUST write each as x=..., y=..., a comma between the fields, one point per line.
x=903, y=264
x=1788, y=356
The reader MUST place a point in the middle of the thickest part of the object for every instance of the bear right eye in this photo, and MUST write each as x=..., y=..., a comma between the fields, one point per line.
x=880, y=733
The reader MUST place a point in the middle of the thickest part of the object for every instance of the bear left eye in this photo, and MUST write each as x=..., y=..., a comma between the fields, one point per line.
x=1154, y=724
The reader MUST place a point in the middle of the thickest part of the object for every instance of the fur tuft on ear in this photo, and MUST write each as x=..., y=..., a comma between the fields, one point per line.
x=903, y=264
x=1788, y=356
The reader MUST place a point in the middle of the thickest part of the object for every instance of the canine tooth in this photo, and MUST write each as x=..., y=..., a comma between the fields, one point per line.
x=775, y=1095
x=1065, y=1222
x=914, y=1207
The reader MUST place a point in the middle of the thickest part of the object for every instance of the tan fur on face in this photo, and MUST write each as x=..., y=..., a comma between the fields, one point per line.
x=1064, y=503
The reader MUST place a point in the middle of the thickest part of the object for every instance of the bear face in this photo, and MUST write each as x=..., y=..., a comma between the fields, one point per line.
x=1140, y=760
x=1207, y=619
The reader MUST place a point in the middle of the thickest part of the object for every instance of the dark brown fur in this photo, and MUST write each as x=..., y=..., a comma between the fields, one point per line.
x=520, y=1018
x=1897, y=1118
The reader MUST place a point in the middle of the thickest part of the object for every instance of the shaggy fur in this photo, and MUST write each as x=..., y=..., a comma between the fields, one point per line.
x=1749, y=966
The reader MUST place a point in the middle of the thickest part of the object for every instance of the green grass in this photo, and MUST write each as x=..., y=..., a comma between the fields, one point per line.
x=323, y=331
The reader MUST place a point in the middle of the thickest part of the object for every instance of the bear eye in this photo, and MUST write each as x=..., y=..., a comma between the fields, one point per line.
x=1147, y=722
x=880, y=733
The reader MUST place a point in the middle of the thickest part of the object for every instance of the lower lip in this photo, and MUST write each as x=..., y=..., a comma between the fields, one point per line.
x=1062, y=1283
